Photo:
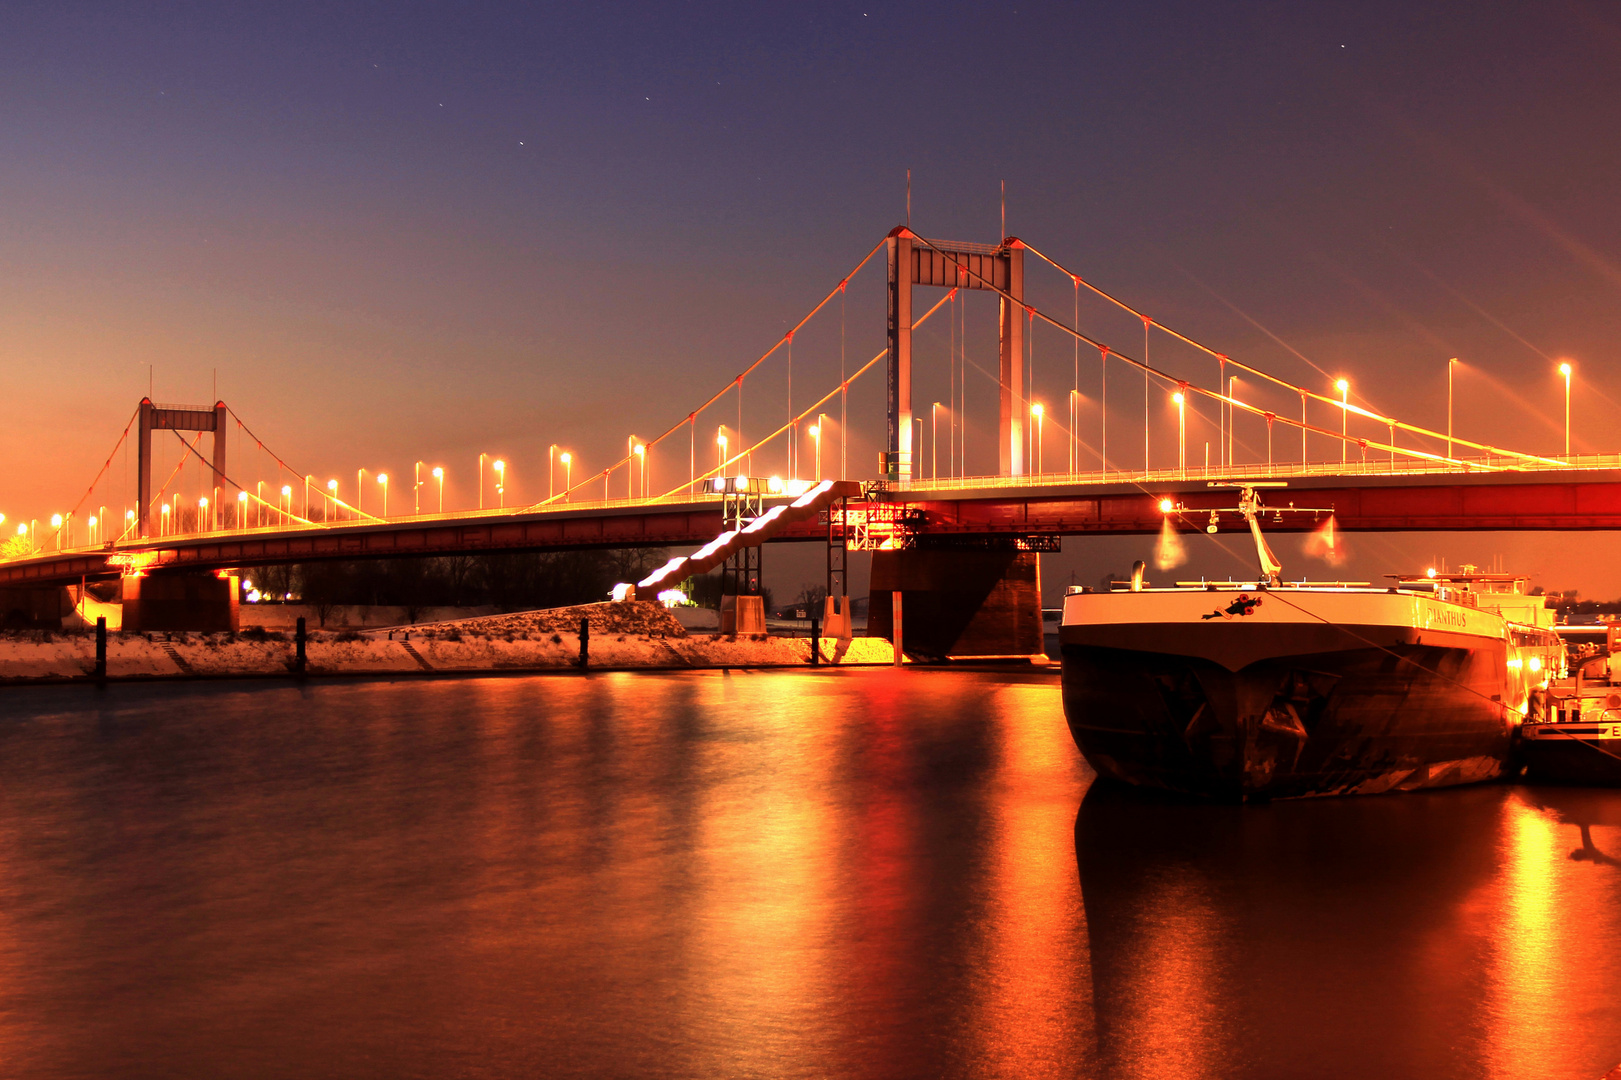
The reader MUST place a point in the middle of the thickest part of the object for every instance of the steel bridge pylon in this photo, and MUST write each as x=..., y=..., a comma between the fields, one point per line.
x=173, y=418
x=997, y=268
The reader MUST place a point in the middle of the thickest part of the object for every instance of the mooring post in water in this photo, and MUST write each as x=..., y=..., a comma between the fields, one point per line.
x=585, y=642
x=299, y=637
x=816, y=641
x=895, y=619
x=101, y=649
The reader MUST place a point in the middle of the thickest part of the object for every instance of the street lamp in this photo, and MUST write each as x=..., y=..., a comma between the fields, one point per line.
x=1452, y=363
x=287, y=494
x=382, y=478
x=439, y=475
x=568, y=474
x=551, y=472
x=1181, y=400
x=816, y=434
x=91, y=524
x=934, y=441
x=1038, y=413
x=202, y=513
x=641, y=456
x=163, y=520
x=360, y=492
x=332, y=495
x=501, y=482
x=1565, y=369
x=56, y=523
x=1344, y=387
x=22, y=530
x=416, y=491
x=241, y=510
x=481, y=458
x=720, y=442
x=630, y=464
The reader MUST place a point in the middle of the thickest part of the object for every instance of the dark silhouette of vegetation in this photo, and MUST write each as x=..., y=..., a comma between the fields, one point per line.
x=706, y=590
x=507, y=582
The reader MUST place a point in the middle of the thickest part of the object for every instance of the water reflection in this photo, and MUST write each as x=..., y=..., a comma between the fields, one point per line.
x=1442, y=934
x=866, y=874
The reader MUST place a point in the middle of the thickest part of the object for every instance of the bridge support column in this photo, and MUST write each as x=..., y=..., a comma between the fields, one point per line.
x=204, y=602
x=945, y=264
x=173, y=418
x=959, y=603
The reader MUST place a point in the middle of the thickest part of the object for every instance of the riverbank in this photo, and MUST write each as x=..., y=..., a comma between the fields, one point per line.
x=622, y=636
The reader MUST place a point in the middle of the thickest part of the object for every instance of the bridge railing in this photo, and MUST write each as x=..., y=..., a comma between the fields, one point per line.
x=1264, y=471
x=1194, y=474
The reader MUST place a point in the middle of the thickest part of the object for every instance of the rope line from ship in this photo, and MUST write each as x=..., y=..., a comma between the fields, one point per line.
x=1275, y=595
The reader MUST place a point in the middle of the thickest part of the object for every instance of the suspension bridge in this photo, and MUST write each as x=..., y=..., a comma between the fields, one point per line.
x=951, y=537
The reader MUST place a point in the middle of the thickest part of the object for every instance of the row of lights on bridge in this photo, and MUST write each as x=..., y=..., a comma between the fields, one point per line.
x=170, y=510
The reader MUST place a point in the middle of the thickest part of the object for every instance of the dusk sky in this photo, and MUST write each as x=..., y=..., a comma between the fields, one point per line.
x=429, y=231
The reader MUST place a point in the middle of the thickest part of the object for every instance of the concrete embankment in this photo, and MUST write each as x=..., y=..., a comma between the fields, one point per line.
x=622, y=636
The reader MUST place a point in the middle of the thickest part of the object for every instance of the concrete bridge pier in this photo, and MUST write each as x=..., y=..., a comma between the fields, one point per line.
x=959, y=604
x=181, y=601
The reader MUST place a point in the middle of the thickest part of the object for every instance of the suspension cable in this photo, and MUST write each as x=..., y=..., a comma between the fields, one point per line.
x=837, y=290
x=1303, y=391
x=1233, y=402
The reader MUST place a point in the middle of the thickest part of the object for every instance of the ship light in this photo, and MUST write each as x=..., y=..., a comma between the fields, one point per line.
x=1535, y=663
x=1430, y=572
x=1211, y=528
x=1166, y=506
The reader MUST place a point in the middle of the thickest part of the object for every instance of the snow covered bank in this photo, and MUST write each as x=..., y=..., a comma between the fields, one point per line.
x=622, y=636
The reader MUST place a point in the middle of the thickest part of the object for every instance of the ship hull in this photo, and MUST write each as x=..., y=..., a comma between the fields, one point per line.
x=1290, y=703
x=1588, y=755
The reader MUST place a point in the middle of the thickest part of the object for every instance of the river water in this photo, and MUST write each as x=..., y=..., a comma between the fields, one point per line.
x=860, y=873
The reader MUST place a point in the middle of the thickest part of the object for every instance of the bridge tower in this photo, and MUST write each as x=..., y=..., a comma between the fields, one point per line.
x=173, y=418
x=954, y=265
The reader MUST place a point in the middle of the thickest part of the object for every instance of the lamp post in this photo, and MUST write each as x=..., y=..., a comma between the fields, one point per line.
x=202, y=514
x=720, y=452
x=56, y=524
x=934, y=441
x=90, y=525
x=816, y=435
x=551, y=472
x=416, y=490
x=500, y=482
x=287, y=495
x=308, y=480
x=1074, y=431
x=163, y=520
x=1232, y=420
x=382, y=479
x=630, y=465
x=1039, y=414
x=481, y=458
x=241, y=510
x=1452, y=363
x=332, y=499
x=641, y=458
x=22, y=530
x=568, y=474
x=439, y=475
x=1181, y=400
x=360, y=492
x=1565, y=370
x=1344, y=387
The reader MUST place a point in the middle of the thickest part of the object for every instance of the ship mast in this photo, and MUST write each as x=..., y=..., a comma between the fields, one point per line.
x=1249, y=504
